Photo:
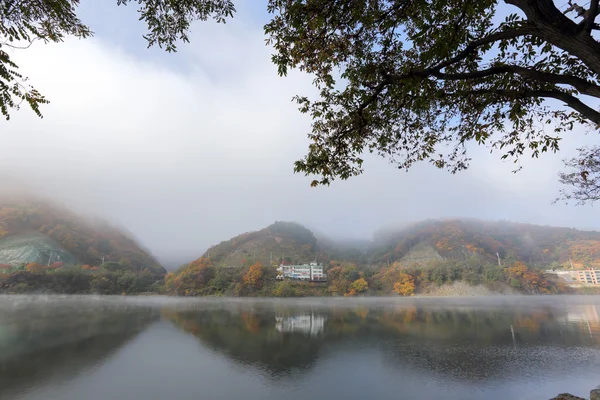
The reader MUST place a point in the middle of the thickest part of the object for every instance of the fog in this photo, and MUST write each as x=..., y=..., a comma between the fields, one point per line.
x=188, y=149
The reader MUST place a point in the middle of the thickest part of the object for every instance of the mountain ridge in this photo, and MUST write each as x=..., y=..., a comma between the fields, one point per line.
x=453, y=238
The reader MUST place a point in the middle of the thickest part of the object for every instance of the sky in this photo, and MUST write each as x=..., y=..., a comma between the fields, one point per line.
x=188, y=149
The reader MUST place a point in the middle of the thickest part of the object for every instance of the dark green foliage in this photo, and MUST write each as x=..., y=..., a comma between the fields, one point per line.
x=23, y=22
x=112, y=266
x=421, y=79
x=73, y=280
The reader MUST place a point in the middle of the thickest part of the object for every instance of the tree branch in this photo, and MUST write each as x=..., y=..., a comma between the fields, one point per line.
x=590, y=18
x=582, y=85
x=572, y=101
x=494, y=37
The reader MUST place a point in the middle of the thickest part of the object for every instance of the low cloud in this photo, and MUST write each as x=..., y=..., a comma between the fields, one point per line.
x=193, y=150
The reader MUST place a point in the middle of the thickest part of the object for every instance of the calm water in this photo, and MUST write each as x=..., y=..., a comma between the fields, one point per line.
x=164, y=348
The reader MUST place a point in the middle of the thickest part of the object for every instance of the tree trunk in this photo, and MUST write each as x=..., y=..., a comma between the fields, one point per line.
x=554, y=27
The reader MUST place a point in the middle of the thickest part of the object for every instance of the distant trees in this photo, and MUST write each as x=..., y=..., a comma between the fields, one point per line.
x=405, y=285
x=88, y=243
x=532, y=281
x=463, y=239
x=34, y=267
x=192, y=279
x=254, y=277
x=357, y=287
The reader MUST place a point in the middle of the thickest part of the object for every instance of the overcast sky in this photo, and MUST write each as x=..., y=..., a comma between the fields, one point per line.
x=188, y=149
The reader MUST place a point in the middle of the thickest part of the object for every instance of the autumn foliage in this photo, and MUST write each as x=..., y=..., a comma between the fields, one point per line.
x=34, y=267
x=358, y=286
x=520, y=276
x=87, y=241
x=253, y=277
x=190, y=280
x=405, y=285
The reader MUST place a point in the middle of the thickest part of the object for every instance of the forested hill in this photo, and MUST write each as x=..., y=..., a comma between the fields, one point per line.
x=451, y=239
x=461, y=238
x=281, y=241
x=34, y=231
x=498, y=257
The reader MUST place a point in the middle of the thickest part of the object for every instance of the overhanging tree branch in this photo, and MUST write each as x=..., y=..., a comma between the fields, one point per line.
x=473, y=46
x=572, y=101
x=582, y=85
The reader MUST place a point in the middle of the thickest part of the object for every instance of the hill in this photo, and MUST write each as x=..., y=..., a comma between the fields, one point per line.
x=45, y=248
x=420, y=243
x=33, y=247
x=501, y=257
x=460, y=239
x=34, y=230
x=280, y=242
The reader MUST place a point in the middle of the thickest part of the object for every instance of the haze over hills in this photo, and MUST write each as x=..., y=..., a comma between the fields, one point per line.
x=457, y=239
x=47, y=248
x=34, y=231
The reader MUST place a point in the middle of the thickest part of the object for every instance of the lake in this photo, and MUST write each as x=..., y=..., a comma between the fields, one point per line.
x=95, y=347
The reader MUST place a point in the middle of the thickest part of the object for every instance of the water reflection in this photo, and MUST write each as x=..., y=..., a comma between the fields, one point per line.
x=40, y=342
x=387, y=349
x=309, y=324
x=471, y=343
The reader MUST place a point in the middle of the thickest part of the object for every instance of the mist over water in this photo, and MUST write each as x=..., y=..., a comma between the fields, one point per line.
x=156, y=348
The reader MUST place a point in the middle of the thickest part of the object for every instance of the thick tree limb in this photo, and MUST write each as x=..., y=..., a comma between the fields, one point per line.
x=572, y=101
x=582, y=85
x=554, y=27
x=591, y=17
x=473, y=46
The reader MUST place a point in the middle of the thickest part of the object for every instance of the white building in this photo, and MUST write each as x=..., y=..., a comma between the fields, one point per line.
x=305, y=272
x=588, y=276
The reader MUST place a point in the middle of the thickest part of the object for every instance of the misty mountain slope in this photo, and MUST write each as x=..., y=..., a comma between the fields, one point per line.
x=30, y=229
x=462, y=238
x=33, y=247
x=421, y=253
x=280, y=241
x=421, y=243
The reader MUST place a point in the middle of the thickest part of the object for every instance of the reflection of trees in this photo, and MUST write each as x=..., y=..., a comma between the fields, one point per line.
x=45, y=346
x=250, y=338
x=461, y=342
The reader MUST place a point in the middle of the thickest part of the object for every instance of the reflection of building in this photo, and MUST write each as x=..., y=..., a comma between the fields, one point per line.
x=309, y=324
x=306, y=272
x=588, y=313
x=589, y=276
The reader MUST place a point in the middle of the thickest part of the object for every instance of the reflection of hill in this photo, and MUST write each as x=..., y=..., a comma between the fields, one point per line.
x=250, y=338
x=467, y=343
x=41, y=349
